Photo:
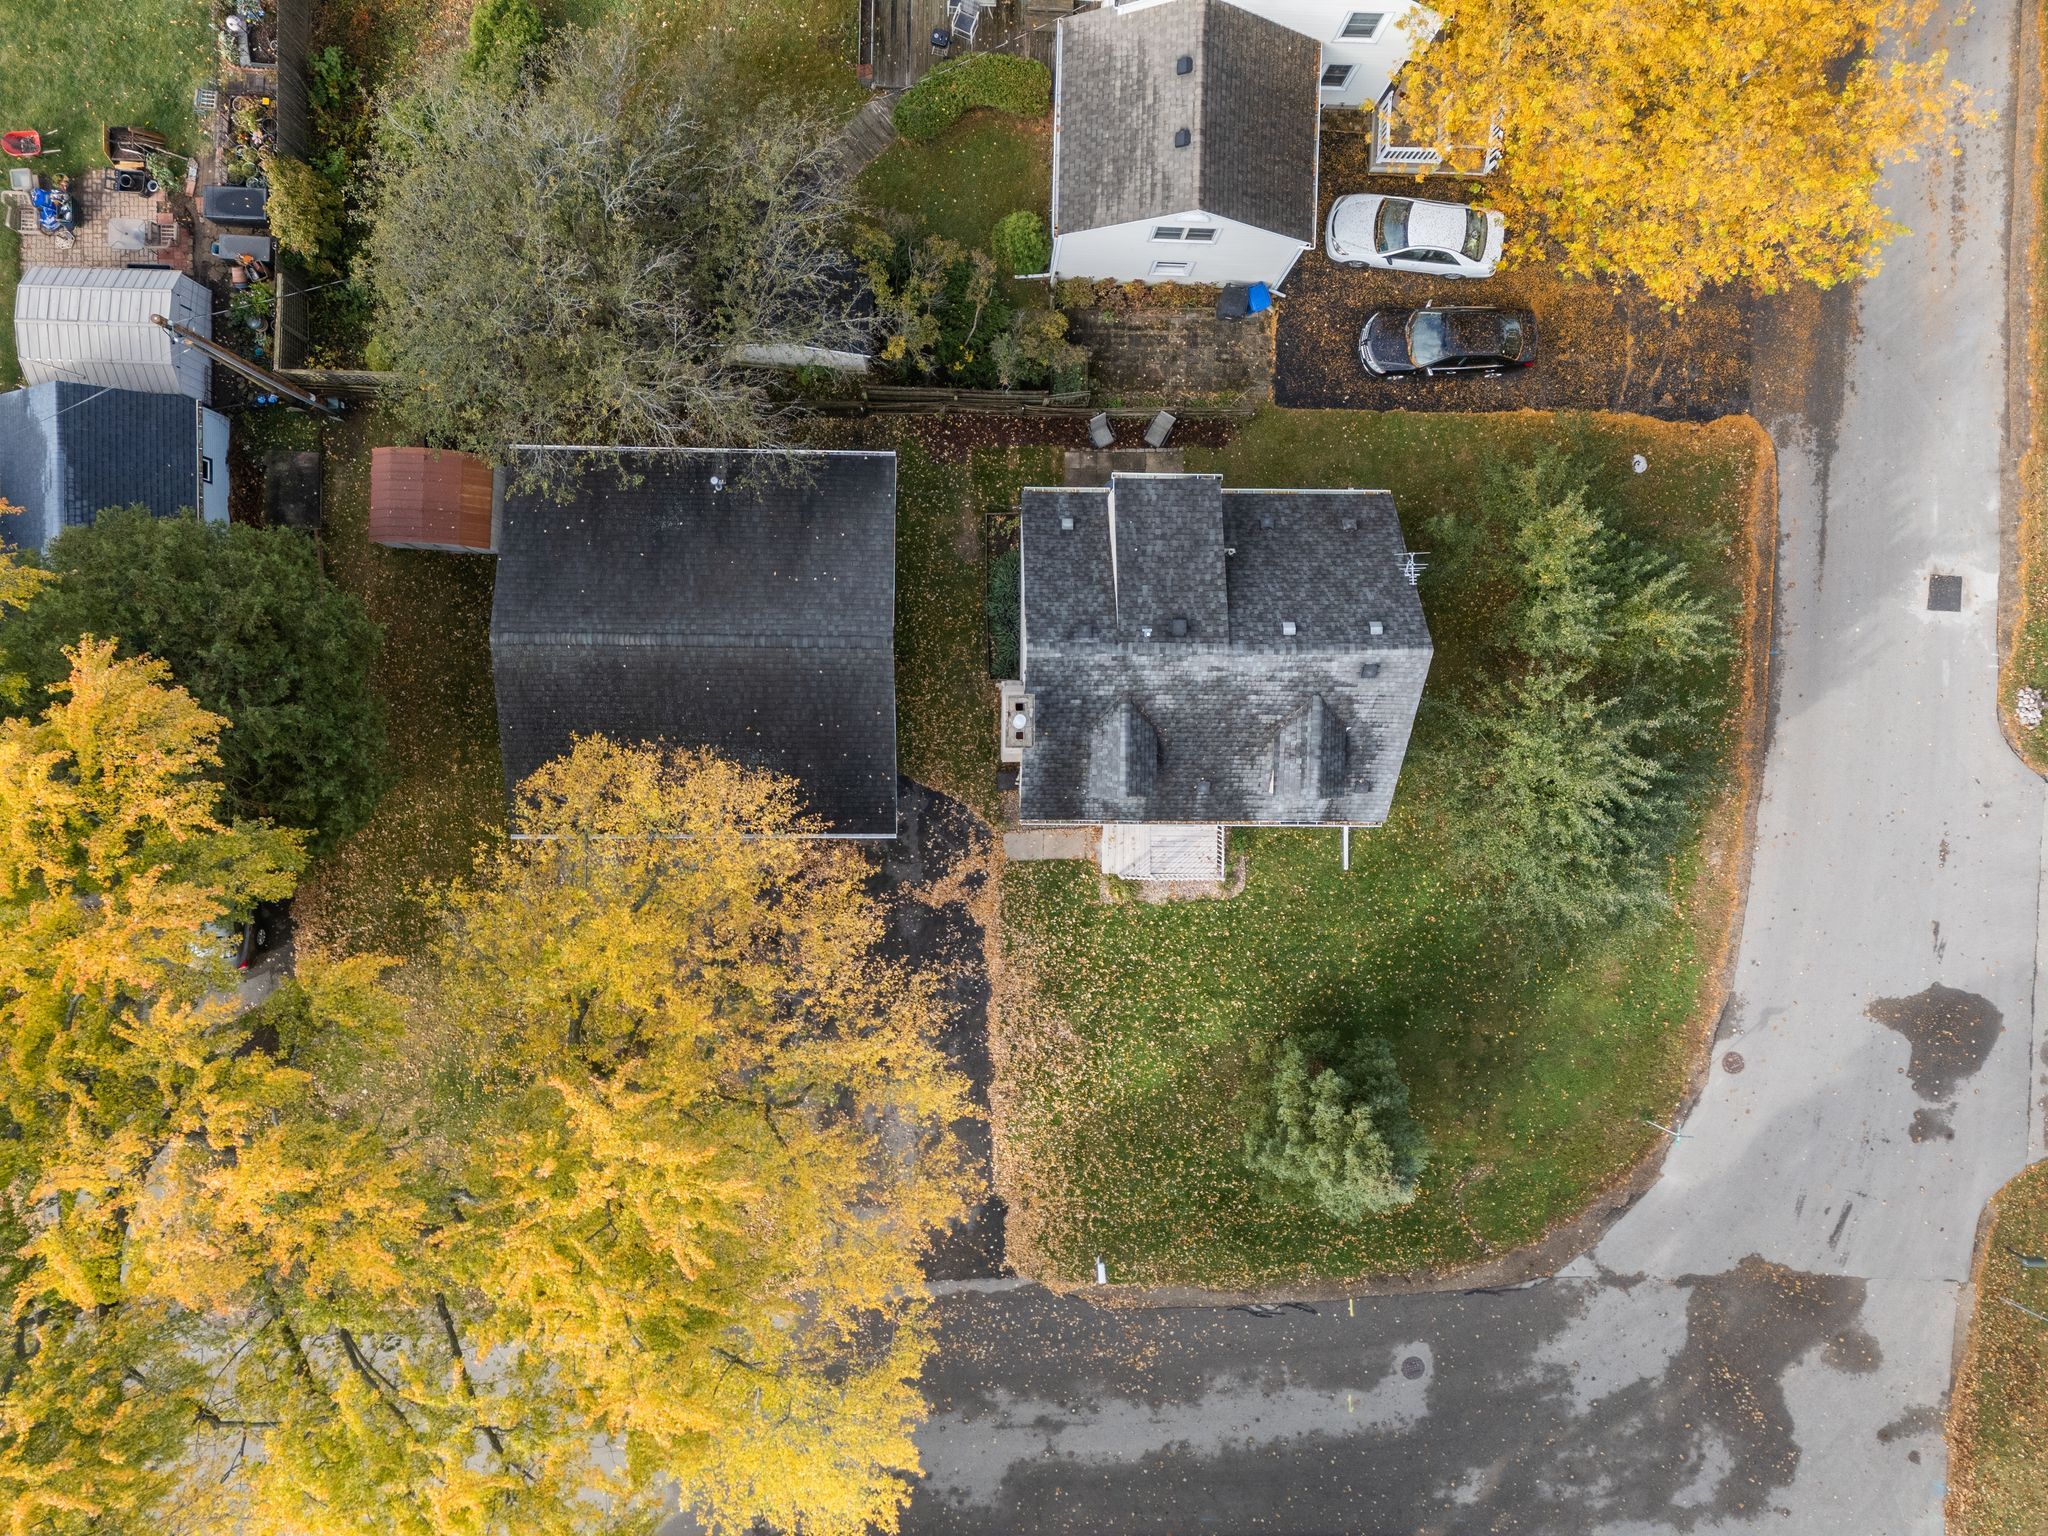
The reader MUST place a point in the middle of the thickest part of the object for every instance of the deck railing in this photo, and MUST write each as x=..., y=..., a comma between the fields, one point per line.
x=1468, y=160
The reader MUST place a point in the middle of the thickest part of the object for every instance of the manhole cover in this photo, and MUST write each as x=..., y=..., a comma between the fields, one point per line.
x=1412, y=1367
x=1944, y=594
x=1732, y=1062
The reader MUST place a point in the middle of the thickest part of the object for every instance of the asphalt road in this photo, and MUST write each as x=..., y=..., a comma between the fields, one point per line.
x=1765, y=1340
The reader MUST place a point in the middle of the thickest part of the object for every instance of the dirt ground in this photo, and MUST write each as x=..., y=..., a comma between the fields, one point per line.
x=1597, y=349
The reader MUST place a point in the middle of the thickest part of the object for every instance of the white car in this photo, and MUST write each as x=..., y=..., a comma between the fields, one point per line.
x=1408, y=234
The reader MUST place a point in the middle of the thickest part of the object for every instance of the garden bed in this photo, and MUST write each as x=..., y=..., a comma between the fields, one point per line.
x=1134, y=1040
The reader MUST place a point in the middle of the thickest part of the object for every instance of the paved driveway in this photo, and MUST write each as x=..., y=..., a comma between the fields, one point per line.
x=1765, y=1340
x=1596, y=350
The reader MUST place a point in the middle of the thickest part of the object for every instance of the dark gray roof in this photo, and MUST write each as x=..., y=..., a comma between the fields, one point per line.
x=1251, y=104
x=1197, y=654
x=756, y=619
x=70, y=451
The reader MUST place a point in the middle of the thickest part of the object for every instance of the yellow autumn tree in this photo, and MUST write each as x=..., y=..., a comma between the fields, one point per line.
x=113, y=1033
x=1689, y=143
x=708, y=1137
x=620, y=1192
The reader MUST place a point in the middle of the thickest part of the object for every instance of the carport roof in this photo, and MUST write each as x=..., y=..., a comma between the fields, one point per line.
x=1248, y=100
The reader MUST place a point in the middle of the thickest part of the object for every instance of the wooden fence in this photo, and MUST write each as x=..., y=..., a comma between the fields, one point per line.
x=294, y=138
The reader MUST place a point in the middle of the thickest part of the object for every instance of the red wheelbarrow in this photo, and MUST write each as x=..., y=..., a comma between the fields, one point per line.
x=22, y=143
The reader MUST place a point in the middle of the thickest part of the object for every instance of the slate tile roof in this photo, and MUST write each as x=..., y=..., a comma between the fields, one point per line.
x=1250, y=102
x=1197, y=654
x=70, y=451
x=741, y=602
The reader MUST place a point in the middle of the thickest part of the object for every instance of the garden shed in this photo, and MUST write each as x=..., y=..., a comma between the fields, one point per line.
x=93, y=325
x=428, y=498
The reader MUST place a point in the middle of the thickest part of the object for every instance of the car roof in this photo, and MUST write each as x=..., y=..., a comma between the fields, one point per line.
x=1440, y=226
x=1476, y=331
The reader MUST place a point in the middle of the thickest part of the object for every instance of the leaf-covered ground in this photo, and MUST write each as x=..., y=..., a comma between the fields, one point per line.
x=434, y=673
x=945, y=699
x=1998, y=1420
x=1131, y=1034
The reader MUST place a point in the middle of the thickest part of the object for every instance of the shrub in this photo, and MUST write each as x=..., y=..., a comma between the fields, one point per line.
x=1020, y=243
x=1345, y=1138
x=502, y=36
x=1005, y=613
x=304, y=209
x=1021, y=87
x=248, y=623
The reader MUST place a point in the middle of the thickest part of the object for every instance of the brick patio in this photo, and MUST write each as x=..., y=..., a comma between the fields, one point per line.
x=99, y=204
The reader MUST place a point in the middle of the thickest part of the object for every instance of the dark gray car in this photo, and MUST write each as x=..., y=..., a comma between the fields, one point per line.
x=1473, y=338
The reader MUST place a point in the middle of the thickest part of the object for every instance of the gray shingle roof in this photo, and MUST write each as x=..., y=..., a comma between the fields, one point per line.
x=70, y=451
x=1221, y=665
x=756, y=619
x=1251, y=104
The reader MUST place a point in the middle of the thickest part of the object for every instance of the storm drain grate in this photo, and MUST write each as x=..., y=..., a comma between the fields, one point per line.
x=1944, y=594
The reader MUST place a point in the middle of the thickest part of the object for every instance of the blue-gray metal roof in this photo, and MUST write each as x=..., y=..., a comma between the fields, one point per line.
x=70, y=451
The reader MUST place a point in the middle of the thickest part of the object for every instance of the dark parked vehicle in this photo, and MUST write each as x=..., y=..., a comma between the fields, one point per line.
x=1456, y=339
x=245, y=942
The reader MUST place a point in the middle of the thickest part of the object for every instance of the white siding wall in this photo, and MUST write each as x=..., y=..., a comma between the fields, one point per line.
x=213, y=446
x=1240, y=253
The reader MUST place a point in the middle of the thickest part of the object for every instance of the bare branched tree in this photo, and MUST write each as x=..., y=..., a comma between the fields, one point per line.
x=581, y=259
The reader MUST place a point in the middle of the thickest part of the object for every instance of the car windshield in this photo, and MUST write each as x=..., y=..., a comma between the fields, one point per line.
x=1392, y=234
x=1510, y=337
x=1475, y=234
x=1426, y=340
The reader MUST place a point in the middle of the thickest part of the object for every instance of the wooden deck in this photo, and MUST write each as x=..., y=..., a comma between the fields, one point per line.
x=896, y=36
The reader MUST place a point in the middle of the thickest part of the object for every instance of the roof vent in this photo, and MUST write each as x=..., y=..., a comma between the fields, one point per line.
x=1183, y=137
x=1177, y=627
x=1370, y=669
x=718, y=482
x=1066, y=522
x=1287, y=627
x=1145, y=631
x=1184, y=65
x=1265, y=519
x=1350, y=525
x=1375, y=627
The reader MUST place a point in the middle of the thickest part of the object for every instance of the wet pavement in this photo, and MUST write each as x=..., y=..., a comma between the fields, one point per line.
x=1765, y=1340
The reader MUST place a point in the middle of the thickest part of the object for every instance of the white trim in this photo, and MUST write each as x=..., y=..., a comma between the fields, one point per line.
x=1171, y=269
x=1345, y=35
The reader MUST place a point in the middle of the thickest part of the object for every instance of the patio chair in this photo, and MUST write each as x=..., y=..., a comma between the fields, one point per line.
x=1100, y=433
x=963, y=16
x=1160, y=429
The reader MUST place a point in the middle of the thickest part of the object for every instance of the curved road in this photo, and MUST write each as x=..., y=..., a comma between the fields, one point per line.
x=1765, y=1341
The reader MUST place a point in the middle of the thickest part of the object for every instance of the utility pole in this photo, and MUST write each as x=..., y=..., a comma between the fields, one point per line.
x=274, y=382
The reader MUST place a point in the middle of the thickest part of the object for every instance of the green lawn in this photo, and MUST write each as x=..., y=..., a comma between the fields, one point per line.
x=958, y=185
x=435, y=675
x=10, y=277
x=1998, y=1422
x=1133, y=1036
x=73, y=69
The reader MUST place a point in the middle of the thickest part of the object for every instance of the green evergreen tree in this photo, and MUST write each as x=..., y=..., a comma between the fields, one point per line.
x=1345, y=1137
x=251, y=626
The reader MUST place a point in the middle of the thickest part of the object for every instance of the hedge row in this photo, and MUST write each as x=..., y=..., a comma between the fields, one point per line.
x=1022, y=87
